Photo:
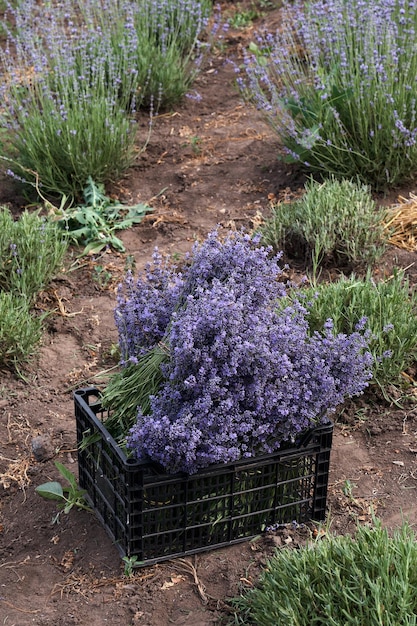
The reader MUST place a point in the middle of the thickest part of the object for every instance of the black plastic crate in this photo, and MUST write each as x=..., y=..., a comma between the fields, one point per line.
x=156, y=516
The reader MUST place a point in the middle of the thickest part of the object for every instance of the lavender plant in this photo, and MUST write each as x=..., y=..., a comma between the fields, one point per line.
x=160, y=43
x=146, y=306
x=337, y=84
x=166, y=44
x=20, y=331
x=335, y=220
x=368, y=579
x=237, y=378
x=390, y=307
x=77, y=74
x=65, y=121
x=31, y=252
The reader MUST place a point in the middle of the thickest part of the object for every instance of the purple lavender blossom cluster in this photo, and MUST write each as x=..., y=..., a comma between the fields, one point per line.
x=145, y=306
x=243, y=375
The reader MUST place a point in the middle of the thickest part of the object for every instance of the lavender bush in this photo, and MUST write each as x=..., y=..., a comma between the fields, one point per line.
x=64, y=118
x=390, y=307
x=20, y=332
x=167, y=48
x=32, y=250
x=76, y=75
x=338, y=85
x=159, y=42
x=334, y=220
x=238, y=377
x=31, y=253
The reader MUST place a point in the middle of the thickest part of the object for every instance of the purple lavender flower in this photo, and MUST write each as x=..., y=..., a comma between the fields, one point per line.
x=145, y=306
x=242, y=377
x=239, y=256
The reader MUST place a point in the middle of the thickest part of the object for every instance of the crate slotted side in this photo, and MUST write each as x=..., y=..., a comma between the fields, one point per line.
x=156, y=516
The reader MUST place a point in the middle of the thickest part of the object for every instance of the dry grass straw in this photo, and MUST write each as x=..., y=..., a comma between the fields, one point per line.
x=85, y=585
x=401, y=223
x=16, y=470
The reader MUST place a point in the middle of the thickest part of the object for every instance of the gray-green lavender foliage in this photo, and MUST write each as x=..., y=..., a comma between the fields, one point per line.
x=337, y=84
x=335, y=221
x=75, y=76
x=390, y=306
x=369, y=579
x=32, y=249
x=31, y=253
x=20, y=331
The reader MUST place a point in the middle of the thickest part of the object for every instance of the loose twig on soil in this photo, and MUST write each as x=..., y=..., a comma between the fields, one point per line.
x=21, y=424
x=190, y=569
x=82, y=584
x=12, y=564
x=16, y=472
x=62, y=308
x=16, y=608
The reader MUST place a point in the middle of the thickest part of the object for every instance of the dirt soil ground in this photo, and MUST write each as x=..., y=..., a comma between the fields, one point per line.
x=208, y=163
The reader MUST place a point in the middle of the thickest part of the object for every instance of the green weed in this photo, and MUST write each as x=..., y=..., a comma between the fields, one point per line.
x=130, y=562
x=242, y=18
x=67, y=496
x=94, y=224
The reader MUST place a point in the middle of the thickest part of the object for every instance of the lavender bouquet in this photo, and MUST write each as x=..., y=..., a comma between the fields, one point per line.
x=213, y=369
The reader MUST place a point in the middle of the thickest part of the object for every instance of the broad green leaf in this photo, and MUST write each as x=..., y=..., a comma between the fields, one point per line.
x=94, y=247
x=66, y=473
x=94, y=223
x=94, y=193
x=51, y=491
x=138, y=210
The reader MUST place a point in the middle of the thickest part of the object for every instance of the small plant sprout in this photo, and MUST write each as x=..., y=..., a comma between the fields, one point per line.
x=102, y=276
x=130, y=563
x=347, y=488
x=243, y=19
x=196, y=144
x=67, y=496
